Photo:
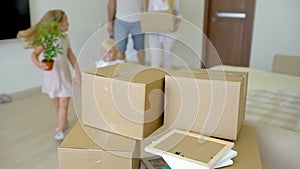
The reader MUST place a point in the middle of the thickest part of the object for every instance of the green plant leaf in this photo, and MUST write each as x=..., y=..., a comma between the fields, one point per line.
x=48, y=35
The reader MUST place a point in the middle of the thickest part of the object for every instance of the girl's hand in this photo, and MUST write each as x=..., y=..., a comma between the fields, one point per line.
x=43, y=66
x=77, y=80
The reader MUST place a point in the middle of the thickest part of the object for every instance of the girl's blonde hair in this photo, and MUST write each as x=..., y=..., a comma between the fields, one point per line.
x=31, y=34
x=111, y=44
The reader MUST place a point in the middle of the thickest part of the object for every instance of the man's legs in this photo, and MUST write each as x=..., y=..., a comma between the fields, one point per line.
x=141, y=57
x=138, y=41
x=121, y=32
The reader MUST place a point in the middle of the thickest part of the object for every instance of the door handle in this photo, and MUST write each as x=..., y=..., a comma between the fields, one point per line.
x=231, y=15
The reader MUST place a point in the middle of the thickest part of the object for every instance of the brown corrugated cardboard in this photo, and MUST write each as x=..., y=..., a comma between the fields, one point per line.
x=211, y=103
x=126, y=99
x=162, y=21
x=87, y=147
x=248, y=153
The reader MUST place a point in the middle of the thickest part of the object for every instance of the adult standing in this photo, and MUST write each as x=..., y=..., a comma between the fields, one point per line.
x=124, y=19
x=165, y=40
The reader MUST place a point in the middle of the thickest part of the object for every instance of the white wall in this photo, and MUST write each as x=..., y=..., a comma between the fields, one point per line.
x=276, y=31
x=17, y=72
x=85, y=18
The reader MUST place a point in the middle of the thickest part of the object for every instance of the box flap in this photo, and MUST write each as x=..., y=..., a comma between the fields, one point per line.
x=147, y=75
x=129, y=72
x=84, y=137
x=78, y=138
x=208, y=74
x=115, y=70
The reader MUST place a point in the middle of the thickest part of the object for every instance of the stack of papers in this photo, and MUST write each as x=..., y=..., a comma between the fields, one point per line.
x=186, y=150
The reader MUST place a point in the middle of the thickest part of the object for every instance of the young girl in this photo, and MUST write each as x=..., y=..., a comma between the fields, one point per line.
x=164, y=40
x=110, y=53
x=57, y=83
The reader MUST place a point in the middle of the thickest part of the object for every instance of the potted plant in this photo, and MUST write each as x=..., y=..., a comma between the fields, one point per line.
x=48, y=35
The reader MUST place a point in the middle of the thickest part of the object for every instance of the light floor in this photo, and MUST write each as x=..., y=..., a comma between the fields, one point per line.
x=27, y=127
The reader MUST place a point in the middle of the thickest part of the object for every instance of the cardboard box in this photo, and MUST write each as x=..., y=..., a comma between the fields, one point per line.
x=210, y=103
x=126, y=99
x=87, y=147
x=162, y=21
x=248, y=153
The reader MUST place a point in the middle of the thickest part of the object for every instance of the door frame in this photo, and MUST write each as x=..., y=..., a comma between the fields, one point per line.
x=205, y=31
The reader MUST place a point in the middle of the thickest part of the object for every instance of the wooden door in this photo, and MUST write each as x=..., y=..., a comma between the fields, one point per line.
x=228, y=26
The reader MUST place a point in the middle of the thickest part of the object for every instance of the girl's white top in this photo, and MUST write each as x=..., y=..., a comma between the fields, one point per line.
x=102, y=63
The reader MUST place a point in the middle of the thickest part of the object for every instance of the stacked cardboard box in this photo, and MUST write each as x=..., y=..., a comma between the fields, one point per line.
x=124, y=104
x=87, y=147
x=121, y=105
x=126, y=99
x=207, y=102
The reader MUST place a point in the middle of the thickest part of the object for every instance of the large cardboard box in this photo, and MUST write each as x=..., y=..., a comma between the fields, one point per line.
x=207, y=102
x=162, y=21
x=126, y=99
x=87, y=147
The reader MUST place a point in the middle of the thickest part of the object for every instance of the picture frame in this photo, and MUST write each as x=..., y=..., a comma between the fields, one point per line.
x=155, y=162
x=184, y=148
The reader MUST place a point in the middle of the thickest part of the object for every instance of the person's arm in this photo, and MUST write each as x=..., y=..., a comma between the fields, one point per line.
x=74, y=63
x=35, y=57
x=177, y=23
x=178, y=15
x=147, y=5
x=111, y=9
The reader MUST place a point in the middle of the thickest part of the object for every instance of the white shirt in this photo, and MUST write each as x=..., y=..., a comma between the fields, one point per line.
x=129, y=10
x=102, y=63
x=160, y=5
